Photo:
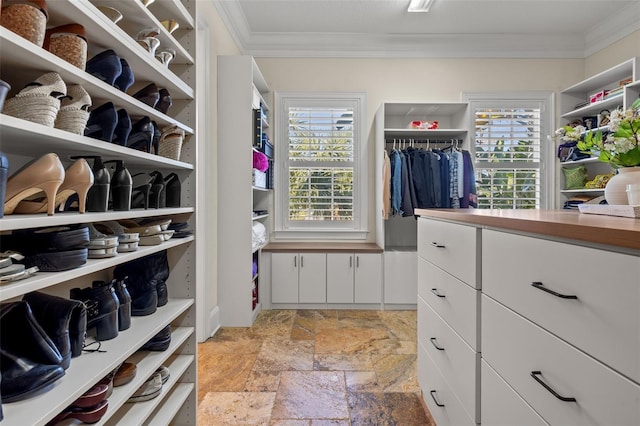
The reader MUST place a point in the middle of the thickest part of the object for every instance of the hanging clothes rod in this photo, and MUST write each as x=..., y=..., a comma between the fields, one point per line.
x=441, y=141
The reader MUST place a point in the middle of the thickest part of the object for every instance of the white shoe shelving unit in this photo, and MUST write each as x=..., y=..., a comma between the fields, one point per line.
x=20, y=63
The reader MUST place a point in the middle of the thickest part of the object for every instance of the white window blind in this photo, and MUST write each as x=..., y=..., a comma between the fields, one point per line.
x=507, y=155
x=320, y=182
x=321, y=164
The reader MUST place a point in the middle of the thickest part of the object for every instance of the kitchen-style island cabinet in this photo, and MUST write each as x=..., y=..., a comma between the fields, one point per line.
x=529, y=317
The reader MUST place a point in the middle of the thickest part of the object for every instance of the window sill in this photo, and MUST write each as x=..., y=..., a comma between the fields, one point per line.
x=337, y=235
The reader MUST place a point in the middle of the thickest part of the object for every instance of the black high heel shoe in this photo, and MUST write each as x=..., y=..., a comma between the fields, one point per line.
x=126, y=77
x=106, y=66
x=157, y=196
x=141, y=136
x=142, y=183
x=102, y=122
x=173, y=190
x=120, y=189
x=98, y=195
x=157, y=134
x=123, y=128
x=148, y=95
x=164, y=102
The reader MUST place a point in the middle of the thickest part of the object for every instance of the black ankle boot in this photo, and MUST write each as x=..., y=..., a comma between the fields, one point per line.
x=102, y=308
x=58, y=316
x=29, y=359
x=124, y=311
x=142, y=277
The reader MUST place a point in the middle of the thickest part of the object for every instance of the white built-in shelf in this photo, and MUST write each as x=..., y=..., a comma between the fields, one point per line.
x=98, y=364
x=171, y=404
x=583, y=161
x=582, y=190
x=42, y=280
x=262, y=216
x=139, y=17
x=596, y=82
x=23, y=221
x=594, y=108
x=135, y=414
x=257, y=188
x=425, y=133
x=260, y=247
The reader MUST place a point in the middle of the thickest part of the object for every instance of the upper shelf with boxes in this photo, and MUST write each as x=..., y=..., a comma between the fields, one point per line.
x=585, y=108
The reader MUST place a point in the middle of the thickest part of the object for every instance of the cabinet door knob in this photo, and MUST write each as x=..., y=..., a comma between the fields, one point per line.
x=433, y=396
x=434, y=244
x=540, y=286
x=437, y=293
x=535, y=375
x=434, y=342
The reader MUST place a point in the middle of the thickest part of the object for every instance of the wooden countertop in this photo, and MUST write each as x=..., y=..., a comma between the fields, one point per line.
x=309, y=247
x=609, y=230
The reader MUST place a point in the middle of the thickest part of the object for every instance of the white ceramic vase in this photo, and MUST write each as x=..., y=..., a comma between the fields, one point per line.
x=616, y=190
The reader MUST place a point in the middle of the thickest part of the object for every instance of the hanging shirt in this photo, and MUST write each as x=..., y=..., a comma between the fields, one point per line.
x=386, y=186
x=396, y=187
x=407, y=206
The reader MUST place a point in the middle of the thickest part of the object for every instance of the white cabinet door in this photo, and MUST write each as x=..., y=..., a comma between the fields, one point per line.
x=312, y=286
x=340, y=271
x=368, y=278
x=284, y=277
x=400, y=277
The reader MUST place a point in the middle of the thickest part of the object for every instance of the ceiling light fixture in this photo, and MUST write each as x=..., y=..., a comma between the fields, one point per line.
x=419, y=5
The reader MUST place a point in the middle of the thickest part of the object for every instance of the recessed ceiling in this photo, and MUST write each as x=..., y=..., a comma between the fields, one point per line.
x=451, y=28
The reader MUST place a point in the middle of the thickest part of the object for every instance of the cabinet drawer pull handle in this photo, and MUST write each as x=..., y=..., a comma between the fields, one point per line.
x=295, y=261
x=437, y=293
x=535, y=375
x=434, y=398
x=433, y=243
x=435, y=344
x=302, y=261
x=350, y=261
x=540, y=286
x=357, y=261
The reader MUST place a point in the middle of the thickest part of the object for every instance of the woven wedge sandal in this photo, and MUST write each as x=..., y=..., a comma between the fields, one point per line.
x=74, y=110
x=170, y=145
x=39, y=101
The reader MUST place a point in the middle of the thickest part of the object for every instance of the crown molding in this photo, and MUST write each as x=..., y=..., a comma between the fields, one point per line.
x=615, y=27
x=356, y=45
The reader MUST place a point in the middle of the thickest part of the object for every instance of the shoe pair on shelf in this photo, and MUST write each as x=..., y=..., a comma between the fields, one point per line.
x=151, y=190
x=152, y=387
x=49, y=249
x=155, y=97
x=88, y=408
x=146, y=281
x=12, y=270
x=116, y=126
x=43, y=185
x=112, y=69
x=49, y=101
x=68, y=42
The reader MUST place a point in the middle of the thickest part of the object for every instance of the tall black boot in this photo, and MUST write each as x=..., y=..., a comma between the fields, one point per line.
x=55, y=314
x=102, y=308
x=143, y=277
x=28, y=358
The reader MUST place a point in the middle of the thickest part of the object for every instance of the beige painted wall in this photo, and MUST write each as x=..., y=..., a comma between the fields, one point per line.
x=617, y=53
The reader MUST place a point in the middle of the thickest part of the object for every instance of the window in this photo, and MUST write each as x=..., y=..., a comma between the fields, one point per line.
x=319, y=153
x=509, y=151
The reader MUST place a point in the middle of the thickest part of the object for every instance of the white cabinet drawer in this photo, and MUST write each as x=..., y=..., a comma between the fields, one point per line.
x=443, y=405
x=603, y=320
x=516, y=348
x=501, y=405
x=453, y=300
x=457, y=361
x=451, y=247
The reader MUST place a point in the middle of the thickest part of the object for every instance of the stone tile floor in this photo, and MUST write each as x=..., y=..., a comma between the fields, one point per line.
x=313, y=368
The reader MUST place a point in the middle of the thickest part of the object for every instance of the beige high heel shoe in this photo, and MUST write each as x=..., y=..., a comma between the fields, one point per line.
x=78, y=178
x=45, y=174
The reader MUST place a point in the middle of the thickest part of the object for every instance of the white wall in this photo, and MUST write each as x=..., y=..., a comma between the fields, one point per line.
x=213, y=40
x=617, y=53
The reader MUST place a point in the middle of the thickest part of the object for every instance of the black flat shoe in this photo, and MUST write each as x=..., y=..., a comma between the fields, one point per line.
x=57, y=261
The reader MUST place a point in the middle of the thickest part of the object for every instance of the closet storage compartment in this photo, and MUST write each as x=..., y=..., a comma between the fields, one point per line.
x=244, y=206
x=620, y=86
x=354, y=278
x=299, y=278
x=21, y=62
x=397, y=233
